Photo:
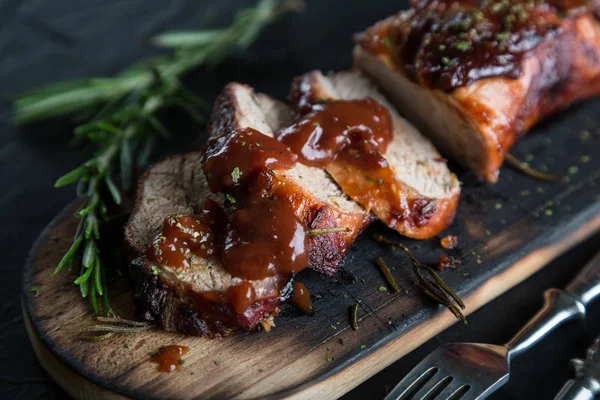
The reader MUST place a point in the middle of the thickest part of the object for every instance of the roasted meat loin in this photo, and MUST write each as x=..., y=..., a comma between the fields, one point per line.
x=475, y=76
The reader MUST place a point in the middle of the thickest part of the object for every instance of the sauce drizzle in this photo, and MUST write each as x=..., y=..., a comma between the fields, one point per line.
x=169, y=358
x=301, y=298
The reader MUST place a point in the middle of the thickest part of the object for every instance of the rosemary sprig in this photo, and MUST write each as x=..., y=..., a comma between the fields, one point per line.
x=112, y=326
x=433, y=286
x=122, y=123
x=527, y=170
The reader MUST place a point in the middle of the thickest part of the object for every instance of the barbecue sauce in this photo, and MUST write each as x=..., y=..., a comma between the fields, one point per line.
x=301, y=298
x=184, y=237
x=241, y=296
x=348, y=138
x=169, y=358
x=264, y=236
x=446, y=44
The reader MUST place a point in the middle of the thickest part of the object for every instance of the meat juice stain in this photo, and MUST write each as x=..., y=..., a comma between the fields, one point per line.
x=169, y=358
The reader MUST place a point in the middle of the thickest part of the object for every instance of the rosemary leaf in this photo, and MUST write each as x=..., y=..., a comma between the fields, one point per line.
x=434, y=287
x=69, y=254
x=112, y=188
x=84, y=277
x=353, y=317
x=527, y=170
x=89, y=253
x=389, y=278
x=98, y=276
x=70, y=177
x=322, y=231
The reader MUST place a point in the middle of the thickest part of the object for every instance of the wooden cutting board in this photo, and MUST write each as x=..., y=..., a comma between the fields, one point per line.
x=506, y=232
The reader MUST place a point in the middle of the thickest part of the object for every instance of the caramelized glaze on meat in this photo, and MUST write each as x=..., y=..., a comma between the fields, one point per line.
x=520, y=62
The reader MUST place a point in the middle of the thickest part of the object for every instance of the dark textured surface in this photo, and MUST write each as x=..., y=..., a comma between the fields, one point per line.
x=43, y=41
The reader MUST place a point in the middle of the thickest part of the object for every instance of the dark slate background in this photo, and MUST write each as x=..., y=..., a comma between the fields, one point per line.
x=44, y=41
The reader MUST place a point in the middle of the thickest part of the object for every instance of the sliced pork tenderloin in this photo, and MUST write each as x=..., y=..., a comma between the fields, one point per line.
x=191, y=301
x=318, y=201
x=426, y=193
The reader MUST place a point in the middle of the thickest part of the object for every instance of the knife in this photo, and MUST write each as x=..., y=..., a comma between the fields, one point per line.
x=586, y=384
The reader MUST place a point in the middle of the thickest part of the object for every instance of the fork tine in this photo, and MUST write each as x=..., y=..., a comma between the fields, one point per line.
x=433, y=387
x=455, y=391
x=412, y=382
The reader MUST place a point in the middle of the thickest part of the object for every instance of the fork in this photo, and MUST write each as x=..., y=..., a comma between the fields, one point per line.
x=469, y=371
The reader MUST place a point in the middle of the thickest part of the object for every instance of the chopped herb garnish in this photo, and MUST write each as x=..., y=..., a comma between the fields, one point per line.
x=235, y=174
x=217, y=362
x=572, y=169
x=363, y=346
x=382, y=289
x=35, y=290
x=180, y=361
x=230, y=198
x=317, y=124
x=387, y=42
x=127, y=345
x=155, y=270
x=463, y=45
x=330, y=359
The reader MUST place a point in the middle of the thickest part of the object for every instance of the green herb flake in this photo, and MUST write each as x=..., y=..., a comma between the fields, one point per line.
x=445, y=60
x=548, y=213
x=387, y=42
x=330, y=359
x=382, y=289
x=463, y=46
x=217, y=363
x=230, y=198
x=127, y=345
x=155, y=270
x=35, y=290
x=316, y=124
x=584, y=159
x=363, y=346
x=180, y=361
x=497, y=206
x=235, y=174
x=584, y=135
x=572, y=170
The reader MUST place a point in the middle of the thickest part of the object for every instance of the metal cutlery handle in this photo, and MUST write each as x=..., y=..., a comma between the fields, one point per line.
x=586, y=286
x=558, y=307
x=573, y=390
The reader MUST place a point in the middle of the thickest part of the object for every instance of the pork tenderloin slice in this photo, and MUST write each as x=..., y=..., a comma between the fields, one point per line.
x=323, y=204
x=478, y=123
x=421, y=173
x=193, y=301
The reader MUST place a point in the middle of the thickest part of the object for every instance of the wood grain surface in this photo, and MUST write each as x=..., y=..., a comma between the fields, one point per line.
x=304, y=357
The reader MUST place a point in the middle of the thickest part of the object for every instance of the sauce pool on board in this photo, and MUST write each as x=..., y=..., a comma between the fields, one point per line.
x=169, y=358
